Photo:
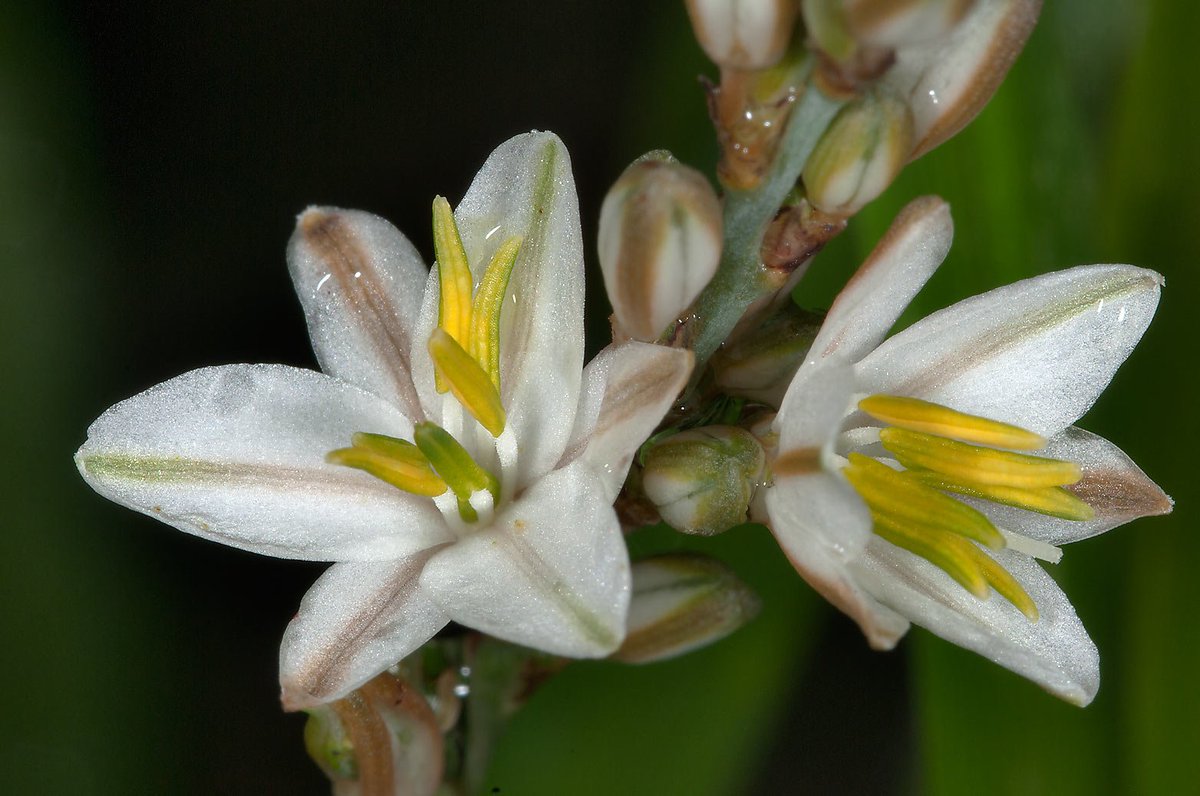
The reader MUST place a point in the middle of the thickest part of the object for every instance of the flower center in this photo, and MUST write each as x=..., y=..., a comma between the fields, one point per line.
x=465, y=349
x=945, y=451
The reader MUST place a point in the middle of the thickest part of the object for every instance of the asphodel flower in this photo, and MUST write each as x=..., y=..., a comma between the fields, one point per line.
x=455, y=458
x=918, y=478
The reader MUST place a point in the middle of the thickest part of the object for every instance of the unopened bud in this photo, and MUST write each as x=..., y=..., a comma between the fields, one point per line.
x=329, y=745
x=660, y=241
x=682, y=602
x=743, y=34
x=702, y=480
x=380, y=738
x=760, y=363
x=901, y=23
x=859, y=155
x=946, y=82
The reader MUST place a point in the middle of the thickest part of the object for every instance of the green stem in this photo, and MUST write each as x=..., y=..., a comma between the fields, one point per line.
x=739, y=280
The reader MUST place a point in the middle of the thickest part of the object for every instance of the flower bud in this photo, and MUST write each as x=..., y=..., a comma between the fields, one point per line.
x=682, y=602
x=743, y=34
x=846, y=30
x=859, y=155
x=328, y=744
x=381, y=738
x=760, y=363
x=660, y=241
x=701, y=481
x=902, y=23
x=946, y=82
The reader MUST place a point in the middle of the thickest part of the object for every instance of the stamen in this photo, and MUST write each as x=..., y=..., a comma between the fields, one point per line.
x=974, y=464
x=936, y=527
x=454, y=276
x=392, y=460
x=456, y=467
x=1006, y=585
x=1035, y=548
x=467, y=380
x=900, y=496
x=948, y=553
x=485, y=311
x=1053, y=501
x=917, y=415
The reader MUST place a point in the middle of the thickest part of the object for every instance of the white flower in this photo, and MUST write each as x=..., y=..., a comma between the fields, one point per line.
x=508, y=529
x=1010, y=369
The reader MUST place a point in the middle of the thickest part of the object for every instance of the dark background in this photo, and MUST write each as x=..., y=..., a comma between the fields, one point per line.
x=152, y=159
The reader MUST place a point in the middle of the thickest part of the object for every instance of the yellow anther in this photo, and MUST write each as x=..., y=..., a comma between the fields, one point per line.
x=1053, y=501
x=972, y=464
x=455, y=465
x=900, y=496
x=454, y=274
x=915, y=516
x=951, y=554
x=485, y=311
x=467, y=380
x=391, y=460
x=1005, y=584
x=917, y=415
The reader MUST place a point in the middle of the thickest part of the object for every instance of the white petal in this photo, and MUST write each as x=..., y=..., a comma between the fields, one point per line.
x=526, y=188
x=1055, y=651
x=360, y=282
x=551, y=572
x=1112, y=485
x=824, y=568
x=236, y=454
x=358, y=619
x=896, y=270
x=626, y=391
x=815, y=405
x=1036, y=353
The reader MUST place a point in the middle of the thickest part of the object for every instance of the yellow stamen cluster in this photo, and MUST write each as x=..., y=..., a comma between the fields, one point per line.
x=465, y=349
x=945, y=451
x=466, y=345
x=435, y=463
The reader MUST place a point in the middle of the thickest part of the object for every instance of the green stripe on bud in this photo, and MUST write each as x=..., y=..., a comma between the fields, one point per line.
x=701, y=481
x=760, y=363
x=660, y=242
x=681, y=602
x=329, y=745
x=858, y=156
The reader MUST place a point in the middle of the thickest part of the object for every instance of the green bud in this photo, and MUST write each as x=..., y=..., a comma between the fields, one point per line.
x=682, y=602
x=760, y=363
x=660, y=241
x=743, y=34
x=381, y=738
x=701, y=481
x=859, y=155
x=329, y=745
